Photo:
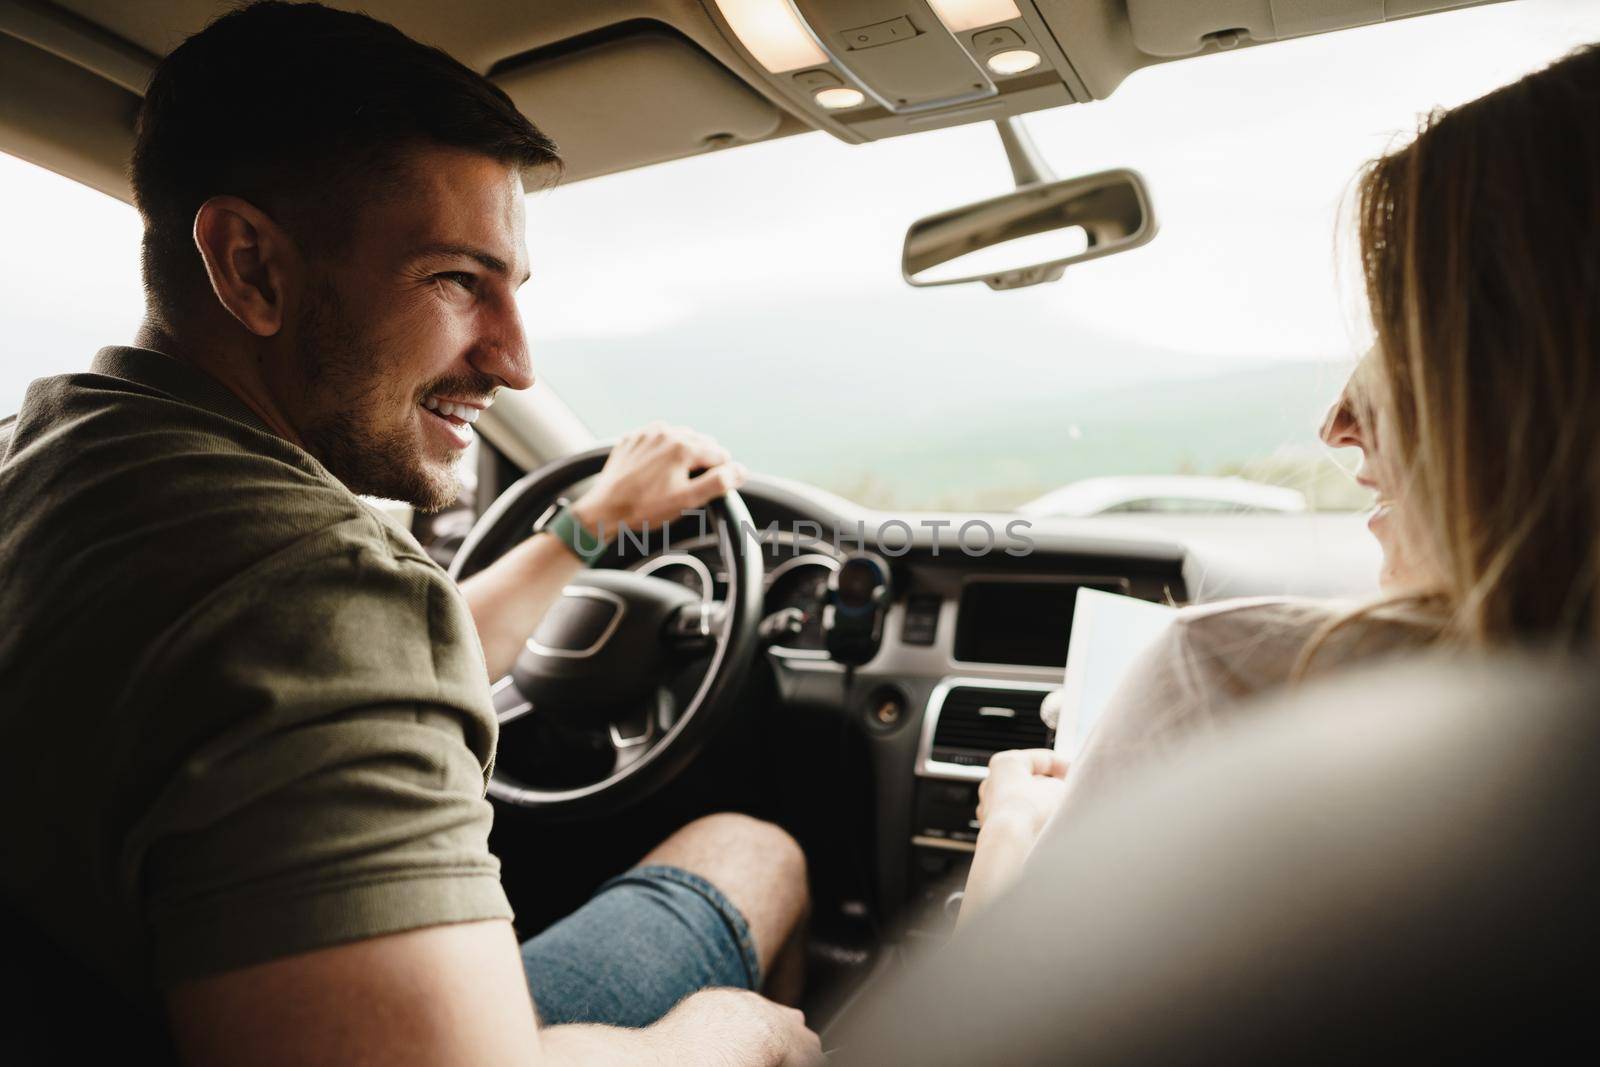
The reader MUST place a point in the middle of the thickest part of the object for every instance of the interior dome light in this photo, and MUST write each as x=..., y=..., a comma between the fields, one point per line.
x=1013, y=61
x=959, y=16
x=838, y=99
x=772, y=31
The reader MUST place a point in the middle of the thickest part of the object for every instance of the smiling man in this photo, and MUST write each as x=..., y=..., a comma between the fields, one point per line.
x=273, y=707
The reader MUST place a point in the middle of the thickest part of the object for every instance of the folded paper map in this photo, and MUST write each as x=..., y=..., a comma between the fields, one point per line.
x=1109, y=632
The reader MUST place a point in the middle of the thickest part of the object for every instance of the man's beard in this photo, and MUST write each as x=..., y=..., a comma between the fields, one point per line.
x=343, y=371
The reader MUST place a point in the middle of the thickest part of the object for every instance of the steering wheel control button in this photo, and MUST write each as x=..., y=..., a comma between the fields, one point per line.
x=632, y=730
x=879, y=33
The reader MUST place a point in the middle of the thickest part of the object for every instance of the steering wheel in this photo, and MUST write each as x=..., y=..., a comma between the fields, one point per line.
x=603, y=662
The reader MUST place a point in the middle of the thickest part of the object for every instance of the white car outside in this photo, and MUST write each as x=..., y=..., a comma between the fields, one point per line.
x=1140, y=493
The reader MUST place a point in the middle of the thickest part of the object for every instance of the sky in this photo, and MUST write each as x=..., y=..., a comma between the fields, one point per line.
x=1247, y=156
x=679, y=285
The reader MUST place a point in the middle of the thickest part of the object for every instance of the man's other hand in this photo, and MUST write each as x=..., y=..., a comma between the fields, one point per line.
x=647, y=479
x=453, y=995
x=733, y=1026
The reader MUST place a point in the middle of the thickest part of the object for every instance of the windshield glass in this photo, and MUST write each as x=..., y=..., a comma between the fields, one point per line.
x=756, y=293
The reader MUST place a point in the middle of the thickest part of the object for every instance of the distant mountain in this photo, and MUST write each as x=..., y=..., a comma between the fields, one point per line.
x=937, y=404
x=1001, y=454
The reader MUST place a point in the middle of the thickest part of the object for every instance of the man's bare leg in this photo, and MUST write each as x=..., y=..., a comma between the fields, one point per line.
x=762, y=871
x=785, y=980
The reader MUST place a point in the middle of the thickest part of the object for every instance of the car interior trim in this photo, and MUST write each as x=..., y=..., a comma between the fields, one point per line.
x=927, y=766
x=588, y=592
x=924, y=841
x=649, y=566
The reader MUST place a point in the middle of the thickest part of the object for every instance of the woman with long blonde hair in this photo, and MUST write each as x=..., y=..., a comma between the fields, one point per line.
x=1477, y=413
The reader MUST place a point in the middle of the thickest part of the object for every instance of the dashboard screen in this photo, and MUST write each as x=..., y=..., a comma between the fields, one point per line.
x=1025, y=623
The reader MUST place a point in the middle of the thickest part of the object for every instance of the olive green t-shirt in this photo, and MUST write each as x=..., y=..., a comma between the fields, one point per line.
x=242, y=714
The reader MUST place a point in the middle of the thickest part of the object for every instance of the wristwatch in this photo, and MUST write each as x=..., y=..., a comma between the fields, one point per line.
x=562, y=523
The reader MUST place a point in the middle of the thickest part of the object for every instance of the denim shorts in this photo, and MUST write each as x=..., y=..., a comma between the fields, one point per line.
x=646, y=939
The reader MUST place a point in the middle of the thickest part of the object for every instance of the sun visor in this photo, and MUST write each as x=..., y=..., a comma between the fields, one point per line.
x=1171, y=28
x=628, y=101
x=58, y=115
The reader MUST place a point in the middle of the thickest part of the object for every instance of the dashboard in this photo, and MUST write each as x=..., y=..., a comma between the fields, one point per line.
x=874, y=764
x=973, y=636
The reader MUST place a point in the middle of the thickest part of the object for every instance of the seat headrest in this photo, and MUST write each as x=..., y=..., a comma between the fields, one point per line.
x=1398, y=863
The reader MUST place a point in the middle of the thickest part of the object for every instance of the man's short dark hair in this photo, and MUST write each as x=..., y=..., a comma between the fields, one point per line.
x=303, y=111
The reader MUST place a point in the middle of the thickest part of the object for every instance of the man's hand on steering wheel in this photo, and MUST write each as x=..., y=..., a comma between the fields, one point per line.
x=630, y=661
x=650, y=479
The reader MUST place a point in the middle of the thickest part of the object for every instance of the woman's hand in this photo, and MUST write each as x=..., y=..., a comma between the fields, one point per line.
x=1023, y=790
x=1024, y=786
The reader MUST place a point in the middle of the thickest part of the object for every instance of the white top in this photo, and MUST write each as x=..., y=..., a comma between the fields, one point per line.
x=1199, y=675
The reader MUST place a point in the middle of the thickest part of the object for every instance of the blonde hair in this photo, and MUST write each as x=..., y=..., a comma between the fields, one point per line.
x=1480, y=250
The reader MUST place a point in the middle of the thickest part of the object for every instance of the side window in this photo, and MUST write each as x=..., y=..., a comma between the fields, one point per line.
x=69, y=275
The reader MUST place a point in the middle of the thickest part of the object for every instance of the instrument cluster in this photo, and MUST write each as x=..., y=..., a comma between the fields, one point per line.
x=795, y=579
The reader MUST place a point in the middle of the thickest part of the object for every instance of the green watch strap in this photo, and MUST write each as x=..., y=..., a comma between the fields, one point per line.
x=565, y=526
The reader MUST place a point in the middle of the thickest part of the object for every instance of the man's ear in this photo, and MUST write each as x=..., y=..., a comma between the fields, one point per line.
x=249, y=259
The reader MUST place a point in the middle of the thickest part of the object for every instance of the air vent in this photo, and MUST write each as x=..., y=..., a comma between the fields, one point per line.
x=976, y=723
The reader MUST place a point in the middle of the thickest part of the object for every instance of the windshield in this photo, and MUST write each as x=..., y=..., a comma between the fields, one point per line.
x=756, y=293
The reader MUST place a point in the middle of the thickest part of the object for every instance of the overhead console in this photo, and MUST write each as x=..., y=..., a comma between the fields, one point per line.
x=870, y=69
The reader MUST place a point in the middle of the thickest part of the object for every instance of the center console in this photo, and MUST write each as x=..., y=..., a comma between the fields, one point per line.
x=967, y=720
x=1017, y=627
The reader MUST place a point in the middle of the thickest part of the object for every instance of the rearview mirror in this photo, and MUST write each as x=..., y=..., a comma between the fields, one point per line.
x=1032, y=235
